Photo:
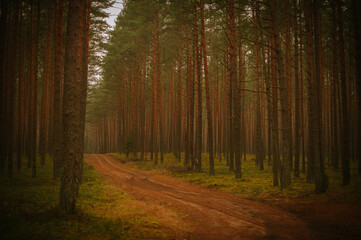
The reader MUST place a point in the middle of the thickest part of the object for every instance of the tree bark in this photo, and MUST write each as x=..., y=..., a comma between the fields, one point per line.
x=321, y=179
x=197, y=76
x=356, y=8
x=34, y=96
x=285, y=170
x=208, y=97
x=298, y=86
x=236, y=88
x=45, y=99
x=72, y=107
x=345, y=119
x=57, y=104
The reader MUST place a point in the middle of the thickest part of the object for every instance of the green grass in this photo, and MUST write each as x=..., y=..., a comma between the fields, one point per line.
x=254, y=182
x=29, y=210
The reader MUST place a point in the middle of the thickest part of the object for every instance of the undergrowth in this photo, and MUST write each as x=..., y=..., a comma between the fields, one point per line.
x=254, y=182
x=29, y=210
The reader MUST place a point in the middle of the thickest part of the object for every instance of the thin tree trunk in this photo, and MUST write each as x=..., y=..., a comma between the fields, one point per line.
x=208, y=97
x=356, y=8
x=259, y=145
x=21, y=97
x=321, y=179
x=57, y=104
x=154, y=88
x=345, y=128
x=10, y=85
x=34, y=96
x=285, y=171
x=298, y=119
x=197, y=76
x=311, y=82
x=45, y=99
x=236, y=87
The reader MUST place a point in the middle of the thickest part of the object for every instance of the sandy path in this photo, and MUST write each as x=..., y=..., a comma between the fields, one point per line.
x=208, y=214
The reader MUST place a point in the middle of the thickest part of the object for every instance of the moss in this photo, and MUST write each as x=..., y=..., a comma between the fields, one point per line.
x=29, y=210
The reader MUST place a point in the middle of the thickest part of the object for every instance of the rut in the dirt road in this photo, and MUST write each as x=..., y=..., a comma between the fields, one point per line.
x=211, y=214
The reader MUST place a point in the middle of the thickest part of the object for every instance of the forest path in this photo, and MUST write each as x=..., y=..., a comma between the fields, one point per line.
x=192, y=211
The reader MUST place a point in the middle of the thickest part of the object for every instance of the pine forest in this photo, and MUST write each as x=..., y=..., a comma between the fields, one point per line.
x=180, y=119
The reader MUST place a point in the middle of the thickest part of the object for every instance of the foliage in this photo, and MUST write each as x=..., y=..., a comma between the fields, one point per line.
x=28, y=210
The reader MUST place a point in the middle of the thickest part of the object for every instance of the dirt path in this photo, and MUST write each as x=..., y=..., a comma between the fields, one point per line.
x=202, y=213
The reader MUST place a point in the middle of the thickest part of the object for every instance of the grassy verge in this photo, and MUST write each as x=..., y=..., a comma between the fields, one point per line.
x=254, y=182
x=29, y=210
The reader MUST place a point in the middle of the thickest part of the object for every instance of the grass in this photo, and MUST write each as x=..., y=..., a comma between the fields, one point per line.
x=29, y=210
x=254, y=182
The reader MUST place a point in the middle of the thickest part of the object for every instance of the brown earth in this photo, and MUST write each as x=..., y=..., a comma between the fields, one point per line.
x=189, y=211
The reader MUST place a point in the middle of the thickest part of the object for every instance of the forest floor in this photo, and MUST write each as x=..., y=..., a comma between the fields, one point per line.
x=125, y=198
x=29, y=209
x=189, y=211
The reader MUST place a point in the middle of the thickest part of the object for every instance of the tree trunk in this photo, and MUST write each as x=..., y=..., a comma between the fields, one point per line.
x=345, y=128
x=45, y=99
x=179, y=108
x=57, y=104
x=3, y=74
x=311, y=97
x=21, y=97
x=160, y=102
x=34, y=96
x=285, y=171
x=298, y=119
x=154, y=88
x=236, y=88
x=259, y=145
x=197, y=76
x=356, y=8
x=72, y=107
x=208, y=97
x=288, y=78
x=321, y=179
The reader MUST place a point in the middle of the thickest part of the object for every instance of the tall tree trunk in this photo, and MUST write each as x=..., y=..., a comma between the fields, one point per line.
x=356, y=8
x=4, y=39
x=160, y=102
x=321, y=179
x=84, y=71
x=190, y=99
x=197, y=76
x=72, y=107
x=11, y=81
x=45, y=99
x=334, y=91
x=298, y=119
x=259, y=145
x=57, y=104
x=29, y=85
x=345, y=128
x=142, y=111
x=21, y=97
x=230, y=114
x=288, y=78
x=311, y=97
x=154, y=88
x=285, y=170
x=34, y=95
x=236, y=88
x=208, y=97
x=179, y=108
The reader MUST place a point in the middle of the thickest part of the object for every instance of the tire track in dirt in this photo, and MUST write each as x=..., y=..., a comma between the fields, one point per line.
x=209, y=213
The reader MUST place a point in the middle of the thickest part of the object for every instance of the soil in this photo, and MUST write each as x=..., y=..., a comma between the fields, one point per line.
x=190, y=211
